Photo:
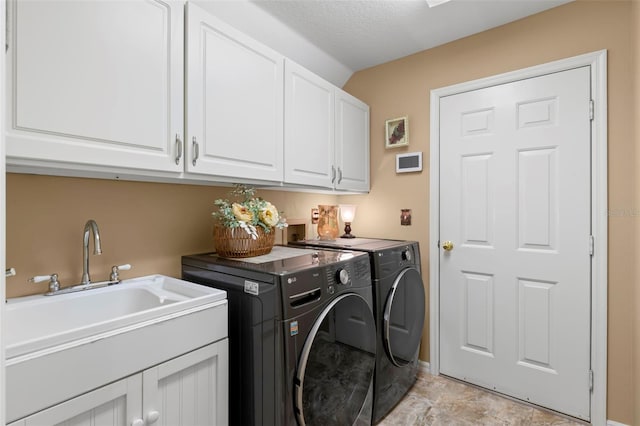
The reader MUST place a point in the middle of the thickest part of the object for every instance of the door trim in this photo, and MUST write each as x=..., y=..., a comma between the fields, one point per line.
x=3, y=210
x=597, y=61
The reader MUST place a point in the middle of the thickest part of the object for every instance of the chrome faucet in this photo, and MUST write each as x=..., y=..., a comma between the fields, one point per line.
x=91, y=225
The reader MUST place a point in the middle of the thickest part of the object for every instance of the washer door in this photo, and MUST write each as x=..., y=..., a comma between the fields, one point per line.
x=404, y=317
x=335, y=369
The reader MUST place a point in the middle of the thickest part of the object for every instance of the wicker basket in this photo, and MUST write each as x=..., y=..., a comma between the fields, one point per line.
x=235, y=242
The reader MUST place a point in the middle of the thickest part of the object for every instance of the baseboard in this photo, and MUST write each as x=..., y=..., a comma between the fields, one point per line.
x=612, y=423
x=425, y=367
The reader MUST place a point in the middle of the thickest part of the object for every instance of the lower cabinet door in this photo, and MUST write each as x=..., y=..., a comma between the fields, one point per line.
x=189, y=390
x=117, y=404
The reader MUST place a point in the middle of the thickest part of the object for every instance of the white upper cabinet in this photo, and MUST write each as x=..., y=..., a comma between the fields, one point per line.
x=97, y=88
x=234, y=102
x=326, y=133
x=309, y=128
x=352, y=143
x=96, y=84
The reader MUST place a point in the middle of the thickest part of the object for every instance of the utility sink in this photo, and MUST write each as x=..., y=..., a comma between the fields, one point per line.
x=38, y=322
x=62, y=346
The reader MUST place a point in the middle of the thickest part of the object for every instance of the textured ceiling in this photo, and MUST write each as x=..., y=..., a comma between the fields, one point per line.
x=361, y=34
x=339, y=37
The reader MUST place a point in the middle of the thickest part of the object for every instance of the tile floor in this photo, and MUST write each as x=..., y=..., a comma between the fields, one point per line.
x=436, y=400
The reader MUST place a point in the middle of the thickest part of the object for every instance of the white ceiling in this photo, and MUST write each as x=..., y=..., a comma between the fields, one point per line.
x=336, y=38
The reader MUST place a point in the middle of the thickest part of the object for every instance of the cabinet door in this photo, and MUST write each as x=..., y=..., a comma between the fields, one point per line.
x=189, y=390
x=352, y=143
x=119, y=403
x=96, y=83
x=234, y=102
x=309, y=123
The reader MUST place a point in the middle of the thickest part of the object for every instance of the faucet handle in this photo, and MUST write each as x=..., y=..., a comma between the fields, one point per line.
x=116, y=269
x=40, y=278
x=54, y=284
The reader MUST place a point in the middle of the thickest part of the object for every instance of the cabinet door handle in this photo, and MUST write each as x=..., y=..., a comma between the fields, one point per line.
x=152, y=416
x=333, y=174
x=196, y=151
x=339, y=175
x=8, y=26
x=178, y=148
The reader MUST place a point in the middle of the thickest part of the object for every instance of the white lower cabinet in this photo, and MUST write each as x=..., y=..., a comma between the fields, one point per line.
x=190, y=390
x=116, y=404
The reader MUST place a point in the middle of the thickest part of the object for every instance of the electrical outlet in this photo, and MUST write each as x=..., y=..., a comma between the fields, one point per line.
x=405, y=217
x=315, y=215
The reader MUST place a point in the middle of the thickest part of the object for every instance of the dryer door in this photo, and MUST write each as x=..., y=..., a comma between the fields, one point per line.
x=403, y=318
x=335, y=369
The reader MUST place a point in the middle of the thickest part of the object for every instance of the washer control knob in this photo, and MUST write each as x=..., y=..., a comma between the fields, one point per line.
x=342, y=276
x=406, y=255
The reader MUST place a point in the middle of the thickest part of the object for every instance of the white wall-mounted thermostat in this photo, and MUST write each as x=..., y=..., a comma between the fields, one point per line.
x=409, y=162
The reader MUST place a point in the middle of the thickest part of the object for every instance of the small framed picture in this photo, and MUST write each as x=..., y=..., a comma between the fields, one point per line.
x=397, y=132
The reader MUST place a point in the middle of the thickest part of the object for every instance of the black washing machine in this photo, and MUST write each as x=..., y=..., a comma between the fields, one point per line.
x=302, y=336
x=398, y=293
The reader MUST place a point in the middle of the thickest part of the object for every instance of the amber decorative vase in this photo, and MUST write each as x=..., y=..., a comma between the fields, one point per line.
x=328, y=222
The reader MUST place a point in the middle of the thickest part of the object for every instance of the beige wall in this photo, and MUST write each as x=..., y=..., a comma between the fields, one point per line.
x=149, y=225
x=402, y=87
x=635, y=23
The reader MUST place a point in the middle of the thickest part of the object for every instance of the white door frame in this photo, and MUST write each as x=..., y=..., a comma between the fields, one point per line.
x=3, y=209
x=597, y=61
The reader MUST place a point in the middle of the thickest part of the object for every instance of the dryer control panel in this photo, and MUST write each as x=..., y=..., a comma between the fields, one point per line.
x=315, y=285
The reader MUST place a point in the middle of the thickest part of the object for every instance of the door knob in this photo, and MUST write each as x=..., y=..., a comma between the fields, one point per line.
x=447, y=246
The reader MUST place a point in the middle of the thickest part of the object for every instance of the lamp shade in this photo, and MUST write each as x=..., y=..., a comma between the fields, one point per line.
x=347, y=212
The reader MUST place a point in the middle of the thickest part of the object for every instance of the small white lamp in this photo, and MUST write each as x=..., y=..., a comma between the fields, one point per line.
x=347, y=212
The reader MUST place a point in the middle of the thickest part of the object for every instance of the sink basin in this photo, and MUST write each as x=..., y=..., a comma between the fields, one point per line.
x=38, y=322
x=62, y=346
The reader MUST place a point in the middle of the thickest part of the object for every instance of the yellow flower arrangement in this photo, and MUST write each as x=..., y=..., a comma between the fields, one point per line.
x=248, y=213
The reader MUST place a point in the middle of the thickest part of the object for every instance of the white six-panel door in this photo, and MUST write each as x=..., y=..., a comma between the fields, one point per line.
x=515, y=204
